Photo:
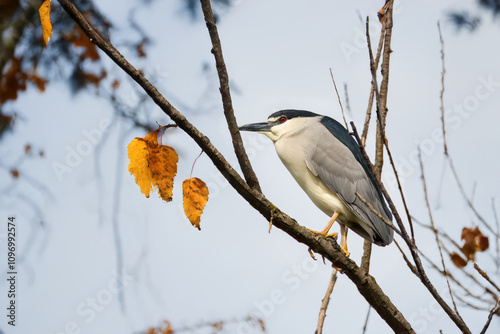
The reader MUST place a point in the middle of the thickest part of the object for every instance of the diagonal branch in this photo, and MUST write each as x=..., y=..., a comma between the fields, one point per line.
x=227, y=103
x=436, y=234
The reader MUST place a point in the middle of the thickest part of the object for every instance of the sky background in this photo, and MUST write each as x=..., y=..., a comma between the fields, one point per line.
x=278, y=55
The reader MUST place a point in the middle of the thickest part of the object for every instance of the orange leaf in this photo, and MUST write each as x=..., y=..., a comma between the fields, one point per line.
x=14, y=173
x=138, y=154
x=140, y=48
x=195, y=195
x=483, y=243
x=79, y=39
x=115, y=84
x=474, y=241
x=153, y=165
x=163, y=165
x=168, y=328
x=381, y=13
x=458, y=260
x=44, y=11
x=27, y=149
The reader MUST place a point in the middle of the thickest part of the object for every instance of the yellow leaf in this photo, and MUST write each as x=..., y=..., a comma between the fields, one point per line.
x=153, y=165
x=138, y=154
x=195, y=194
x=163, y=165
x=45, y=19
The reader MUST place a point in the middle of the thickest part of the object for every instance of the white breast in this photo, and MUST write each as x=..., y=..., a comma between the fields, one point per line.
x=292, y=153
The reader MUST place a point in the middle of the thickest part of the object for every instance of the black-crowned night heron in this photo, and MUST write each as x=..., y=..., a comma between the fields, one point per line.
x=327, y=163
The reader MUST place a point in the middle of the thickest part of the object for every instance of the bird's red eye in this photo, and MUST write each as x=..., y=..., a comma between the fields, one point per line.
x=282, y=119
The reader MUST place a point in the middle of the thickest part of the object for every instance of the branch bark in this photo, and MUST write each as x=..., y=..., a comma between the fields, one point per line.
x=227, y=103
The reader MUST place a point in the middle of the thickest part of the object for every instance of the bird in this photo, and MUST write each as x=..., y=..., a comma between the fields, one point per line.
x=327, y=163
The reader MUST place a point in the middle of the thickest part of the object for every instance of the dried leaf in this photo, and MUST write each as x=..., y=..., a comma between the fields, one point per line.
x=140, y=48
x=138, y=155
x=27, y=149
x=94, y=78
x=44, y=11
x=14, y=173
x=115, y=84
x=458, y=260
x=163, y=165
x=38, y=81
x=79, y=39
x=483, y=243
x=168, y=328
x=381, y=12
x=195, y=197
x=153, y=165
x=13, y=81
x=474, y=241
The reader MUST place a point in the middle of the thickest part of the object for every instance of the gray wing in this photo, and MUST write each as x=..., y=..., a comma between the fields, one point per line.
x=337, y=167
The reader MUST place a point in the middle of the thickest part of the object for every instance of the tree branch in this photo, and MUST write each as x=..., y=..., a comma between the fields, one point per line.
x=227, y=103
x=325, y=301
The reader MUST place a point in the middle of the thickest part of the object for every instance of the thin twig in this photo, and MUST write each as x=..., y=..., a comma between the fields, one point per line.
x=467, y=200
x=366, y=319
x=347, y=104
x=340, y=101
x=486, y=276
x=493, y=311
x=497, y=236
x=445, y=147
x=372, y=209
x=325, y=301
x=243, y=160
x=436, y=234
x=405, y=258
x=456, y=281
x=373, y=62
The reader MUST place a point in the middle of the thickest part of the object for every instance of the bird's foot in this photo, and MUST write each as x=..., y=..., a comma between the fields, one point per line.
x=325, y=233
x=344, y=250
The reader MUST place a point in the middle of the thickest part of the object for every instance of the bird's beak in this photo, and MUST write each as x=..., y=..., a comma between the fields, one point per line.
x=257, y=127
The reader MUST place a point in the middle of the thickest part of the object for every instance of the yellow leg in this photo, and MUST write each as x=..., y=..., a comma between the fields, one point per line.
x=328, y=226
x=343, y=239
